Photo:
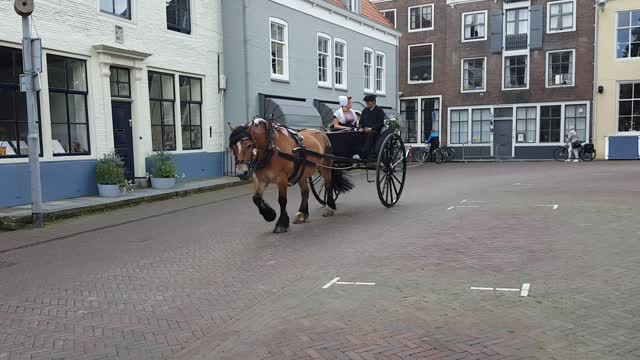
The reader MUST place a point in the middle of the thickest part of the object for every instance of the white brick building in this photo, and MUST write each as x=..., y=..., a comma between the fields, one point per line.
x=169, y=53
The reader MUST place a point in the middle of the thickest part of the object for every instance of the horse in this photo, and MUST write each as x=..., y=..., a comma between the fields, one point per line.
x=275, y=156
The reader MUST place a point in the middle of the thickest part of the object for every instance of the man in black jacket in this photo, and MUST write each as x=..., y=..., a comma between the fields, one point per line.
x=371, y=123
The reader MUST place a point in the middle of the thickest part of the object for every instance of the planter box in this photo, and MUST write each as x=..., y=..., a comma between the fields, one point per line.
x=110, y=190
x=163, y=183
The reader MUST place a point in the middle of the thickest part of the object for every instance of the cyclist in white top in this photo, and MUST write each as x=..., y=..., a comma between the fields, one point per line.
x=345, y=117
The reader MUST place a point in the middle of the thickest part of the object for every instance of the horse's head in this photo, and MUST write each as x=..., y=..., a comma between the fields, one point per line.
x=248, y=143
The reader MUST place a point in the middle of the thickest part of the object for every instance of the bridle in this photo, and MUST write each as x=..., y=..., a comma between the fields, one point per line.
x=253, y=163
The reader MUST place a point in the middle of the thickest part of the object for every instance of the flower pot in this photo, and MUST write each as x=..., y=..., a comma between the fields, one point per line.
x=163, y=183
x=109, y=190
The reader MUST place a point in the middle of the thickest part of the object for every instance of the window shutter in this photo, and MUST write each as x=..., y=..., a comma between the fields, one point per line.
x=536, y=16
x=496, y=31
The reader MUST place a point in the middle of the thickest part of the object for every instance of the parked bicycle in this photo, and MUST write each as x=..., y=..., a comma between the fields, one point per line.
x=586, y=152
x=450, y=153
x=426, y=155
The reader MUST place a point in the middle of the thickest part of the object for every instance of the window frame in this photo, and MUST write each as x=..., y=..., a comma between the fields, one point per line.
x=467, y=139
x=618, y=85
x=481, y=121
x=560, y=125
x=189, y=103
x=345, y=64
x=463, y=25
x=162, y=100
x=527, y=71
x=431, y=5
x=517, y=20
x=548, y=63
x=484, y=75
x=536, y=127
x=617, y=43
x=370, y=73
x=560, y=2
x=411, y=82
x=420, y=116
x=66, y=92
x=395, y=16
x=117, y=68
x=130, y=12
x=383, y=80
x=285, y=53
x=329, y=60
x=179, y=29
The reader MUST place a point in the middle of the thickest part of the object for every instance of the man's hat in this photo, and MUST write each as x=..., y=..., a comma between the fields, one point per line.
x=369, y=98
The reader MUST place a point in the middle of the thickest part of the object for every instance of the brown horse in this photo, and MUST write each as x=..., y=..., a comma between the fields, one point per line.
x=268, y=150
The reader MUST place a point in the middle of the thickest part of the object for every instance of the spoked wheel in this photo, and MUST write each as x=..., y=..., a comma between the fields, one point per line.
x=391, y=170
x=561, y=153
x=316, y=183
x=587, y=156
x=451, y=154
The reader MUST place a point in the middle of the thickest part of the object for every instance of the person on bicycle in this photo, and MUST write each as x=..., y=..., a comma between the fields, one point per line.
x=433, y=140
x=573, y=143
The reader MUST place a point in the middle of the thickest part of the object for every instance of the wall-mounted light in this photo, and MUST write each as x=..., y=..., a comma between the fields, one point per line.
x=600, y=89
x=602, y=4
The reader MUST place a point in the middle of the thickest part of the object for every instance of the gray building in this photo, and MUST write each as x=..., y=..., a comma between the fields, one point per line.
x=291, y=59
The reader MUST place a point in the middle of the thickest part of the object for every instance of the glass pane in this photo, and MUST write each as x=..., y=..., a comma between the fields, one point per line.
x=6, y=104
x=625, y=108
x=624, y=123
x=79, y=139
x=169, y=138
x=167, y=87
x=106, y=6
x=636, y=108
x=76, y=75
x=504, y=112
x=113, y=74
x=155, y=91
x=172, y=19
x=7, y=139
x=635, y=18
x=195, y=114
x=56, y=72
x=123, y=90
x=196, y=89
x=114, y=89
x=167, y=113
x=636, y=123
x=184, y=20
x=77, y=109
x=156, y=112
x=185, y=93
x=7, y=74
x=123, y=75
x=635, y=35
x=156, y=137
x=274, y=31
x=626, y=91
x=58, y=108
x=60, y=138
x=636, y=90
x=122, y=8
x=186, y=138
x=196, y=137
x=184, y=113
x=624, y=19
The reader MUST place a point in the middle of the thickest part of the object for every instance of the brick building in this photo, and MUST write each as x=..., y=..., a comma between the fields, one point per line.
x=497, y=78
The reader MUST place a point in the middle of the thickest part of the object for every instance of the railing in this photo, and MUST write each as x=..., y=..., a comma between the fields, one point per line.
x=516, y=42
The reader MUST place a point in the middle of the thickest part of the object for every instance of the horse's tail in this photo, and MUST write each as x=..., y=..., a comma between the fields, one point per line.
x=340, y=181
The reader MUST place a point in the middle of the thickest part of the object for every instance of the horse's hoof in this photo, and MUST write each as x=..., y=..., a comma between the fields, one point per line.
x=280, y=229
x=269, y=215
x=327, y=213
x=300, y=218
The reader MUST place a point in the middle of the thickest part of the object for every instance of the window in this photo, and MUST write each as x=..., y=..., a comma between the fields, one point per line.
x=474, y=26
x=421, y=18
x=430, y=116
x=340, y=64
x=409, y=113
x=459, y=126
x=526, y=118
x=390, y=15
x=518, y=21
x=179, y=16
x=561, y=16
x=550, y=118
x=162, y=99
x=191, y=112
x=473, y=75
x=420, y=63
x=68, y=104
x=628, y=34
x=560, y=68
x=121, y=8
x=368, y=70
x=575, y=116
x=279, y=49
x=120, y=83
x=481, y=126
x=380, y=78
x=13, y=106
x=324, y=60
x=515, y=72
x=354, y=5
x=629, y=107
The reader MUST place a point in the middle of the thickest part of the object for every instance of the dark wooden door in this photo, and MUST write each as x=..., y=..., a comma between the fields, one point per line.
x=502, y=138
x=123, y=134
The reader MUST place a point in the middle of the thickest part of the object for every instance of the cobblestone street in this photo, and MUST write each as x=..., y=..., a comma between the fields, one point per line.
x=203, y=277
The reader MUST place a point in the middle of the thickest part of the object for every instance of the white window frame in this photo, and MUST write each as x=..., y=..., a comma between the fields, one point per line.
x=575, y=10
x=573, y=68
x=486, y=27
x=432, y=18
x=409, y=81
x=345, y=69
x=419, y=119
x=329, y=82
x=615, y=37
x=395, y=16
x=527, y=73
x=617, y=118
x=484, y=76
x=516, y=7
x=285, y=55
x=383, y=81
x=371, y=73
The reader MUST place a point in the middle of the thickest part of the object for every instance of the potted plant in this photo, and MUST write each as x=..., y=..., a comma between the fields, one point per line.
x=163, y=171
x=110, y=175
x=393, y=123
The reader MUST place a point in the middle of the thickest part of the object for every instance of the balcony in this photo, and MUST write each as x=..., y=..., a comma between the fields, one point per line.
x=516, y=42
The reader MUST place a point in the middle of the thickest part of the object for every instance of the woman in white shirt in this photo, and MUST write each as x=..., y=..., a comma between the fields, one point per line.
x=344, y=118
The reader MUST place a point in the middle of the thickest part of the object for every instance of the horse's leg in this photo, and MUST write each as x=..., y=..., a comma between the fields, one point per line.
x=303, y=213
x=328, y=189
x=266, y=211
x=283, y=222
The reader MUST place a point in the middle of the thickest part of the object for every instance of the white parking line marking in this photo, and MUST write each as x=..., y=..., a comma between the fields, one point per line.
x=328, y=285
x=471, y=201
x=451, y=208
x=554, y=207
x=337, y=282
x=462, y=207
x=524, y=292
x=482, y=288
x=520, y=184
x=506, y=289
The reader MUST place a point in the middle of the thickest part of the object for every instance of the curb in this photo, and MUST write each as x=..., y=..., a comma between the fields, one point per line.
x=25, y=221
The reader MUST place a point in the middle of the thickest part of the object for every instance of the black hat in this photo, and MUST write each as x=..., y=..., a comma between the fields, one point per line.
x=369, y=98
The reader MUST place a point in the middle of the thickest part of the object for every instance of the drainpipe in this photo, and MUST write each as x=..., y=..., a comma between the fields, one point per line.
x=398, y=75
x=245, y=58
x=595, y=73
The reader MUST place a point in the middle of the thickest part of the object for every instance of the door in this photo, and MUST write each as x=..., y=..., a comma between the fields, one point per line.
x=502, y=138
x=123, y=135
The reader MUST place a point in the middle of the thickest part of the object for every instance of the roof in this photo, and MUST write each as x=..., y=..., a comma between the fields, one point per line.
x=368, y=10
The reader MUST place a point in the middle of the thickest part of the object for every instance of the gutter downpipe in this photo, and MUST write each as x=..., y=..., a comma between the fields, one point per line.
x=246, y=59
x=595, y=73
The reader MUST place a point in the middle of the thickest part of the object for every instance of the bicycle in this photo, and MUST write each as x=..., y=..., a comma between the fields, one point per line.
x=426, y=155
x=449, y=153
x=586, y=153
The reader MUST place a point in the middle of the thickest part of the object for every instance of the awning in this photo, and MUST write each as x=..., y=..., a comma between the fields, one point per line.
x=297, y=114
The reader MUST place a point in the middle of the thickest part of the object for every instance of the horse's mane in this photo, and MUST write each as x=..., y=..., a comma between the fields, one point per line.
x=238, y=134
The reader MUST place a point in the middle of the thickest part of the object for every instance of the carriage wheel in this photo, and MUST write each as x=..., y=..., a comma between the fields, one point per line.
x=391, y=170
x=316, y=183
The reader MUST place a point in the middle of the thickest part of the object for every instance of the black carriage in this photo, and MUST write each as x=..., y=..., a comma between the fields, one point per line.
x=388, y=159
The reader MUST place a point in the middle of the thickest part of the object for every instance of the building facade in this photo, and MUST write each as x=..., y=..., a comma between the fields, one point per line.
x=291, y=59
x=617, y=99
x=496, y=78
x=132, y=76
